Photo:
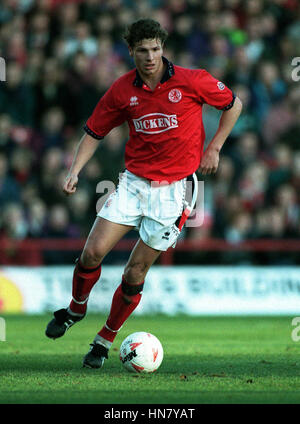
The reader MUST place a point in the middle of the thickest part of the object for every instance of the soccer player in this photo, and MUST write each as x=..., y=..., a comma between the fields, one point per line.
x=162, y=104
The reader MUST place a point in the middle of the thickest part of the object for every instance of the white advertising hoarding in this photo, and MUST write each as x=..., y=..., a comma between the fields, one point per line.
x=194, y=290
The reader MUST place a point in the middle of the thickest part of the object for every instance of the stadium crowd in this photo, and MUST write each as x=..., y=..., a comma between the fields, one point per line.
x=61, y=57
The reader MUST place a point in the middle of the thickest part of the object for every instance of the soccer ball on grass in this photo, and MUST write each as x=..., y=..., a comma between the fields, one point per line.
x=141, y=352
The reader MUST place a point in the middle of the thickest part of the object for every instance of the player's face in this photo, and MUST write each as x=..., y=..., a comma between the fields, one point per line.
x=147, y=56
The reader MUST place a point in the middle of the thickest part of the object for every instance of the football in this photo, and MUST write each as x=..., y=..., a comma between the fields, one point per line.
x=141, y=352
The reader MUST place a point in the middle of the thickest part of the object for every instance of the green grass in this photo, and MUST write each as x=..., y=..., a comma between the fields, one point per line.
x=206, y=360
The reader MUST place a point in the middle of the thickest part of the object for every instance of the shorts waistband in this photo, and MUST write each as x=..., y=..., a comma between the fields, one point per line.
x=160, y=183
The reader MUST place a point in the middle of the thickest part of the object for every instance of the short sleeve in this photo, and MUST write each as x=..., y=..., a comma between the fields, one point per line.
x=106, y=115
x=212, y=91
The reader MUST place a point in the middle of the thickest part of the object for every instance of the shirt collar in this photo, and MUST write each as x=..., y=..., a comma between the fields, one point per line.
x=169, y=72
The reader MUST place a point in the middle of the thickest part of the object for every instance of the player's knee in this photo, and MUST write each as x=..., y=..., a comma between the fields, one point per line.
x=91, y=256
x=135, y=273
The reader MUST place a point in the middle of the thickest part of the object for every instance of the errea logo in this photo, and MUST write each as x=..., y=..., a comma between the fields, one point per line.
x=134, y=101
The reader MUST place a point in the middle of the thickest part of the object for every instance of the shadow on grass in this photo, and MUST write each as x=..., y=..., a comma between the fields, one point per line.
x=200, y=365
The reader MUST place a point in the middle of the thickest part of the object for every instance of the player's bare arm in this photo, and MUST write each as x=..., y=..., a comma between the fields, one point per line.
x=210, y=160
x=84, y=151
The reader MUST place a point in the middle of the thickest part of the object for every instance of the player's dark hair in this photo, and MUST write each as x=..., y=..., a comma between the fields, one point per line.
x=144, y=29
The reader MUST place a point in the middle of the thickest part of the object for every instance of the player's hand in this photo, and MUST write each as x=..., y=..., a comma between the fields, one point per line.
x=70, y=184
x=209, y=162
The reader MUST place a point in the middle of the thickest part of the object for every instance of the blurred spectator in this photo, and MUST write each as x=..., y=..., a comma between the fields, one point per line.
x=245, y=152
x=113, y=149
x=295, y=178
x=253, y=185
x=81, y=41
x=261, y=224
x=53, y=128
x=39, y=31
x=36, y=216
x=34, y=68
x=281, y=116
x=223, y=182
x=268, y=88
x=224, y=211
x=49, y=185
x=9, y=188
x=51, y=92
x=17, y=48
x=292, y=133
x=280, y=171
x=6, y=142
x=240, y=70
x=21, y=165
x=247, y=121
x=276, y=229
x=14, y=224
x=287, y=202
x=255, y=45
x=58, y=224
x=16, y=97
x=240, y=228
x=81, y=215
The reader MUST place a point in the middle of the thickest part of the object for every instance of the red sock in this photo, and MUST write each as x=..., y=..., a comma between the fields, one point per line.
x=84, y=280
x=121, y=308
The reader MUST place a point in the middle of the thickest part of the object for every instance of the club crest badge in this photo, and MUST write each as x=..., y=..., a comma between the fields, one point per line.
x=220, y=85
x=175, y=95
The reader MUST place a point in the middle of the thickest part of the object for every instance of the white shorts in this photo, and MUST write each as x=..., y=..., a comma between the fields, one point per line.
x=157, y=211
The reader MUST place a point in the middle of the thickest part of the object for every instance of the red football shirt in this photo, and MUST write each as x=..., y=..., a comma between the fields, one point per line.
x=166, y=134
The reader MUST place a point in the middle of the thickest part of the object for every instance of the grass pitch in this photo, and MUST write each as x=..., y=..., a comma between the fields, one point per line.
x=206, y=360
